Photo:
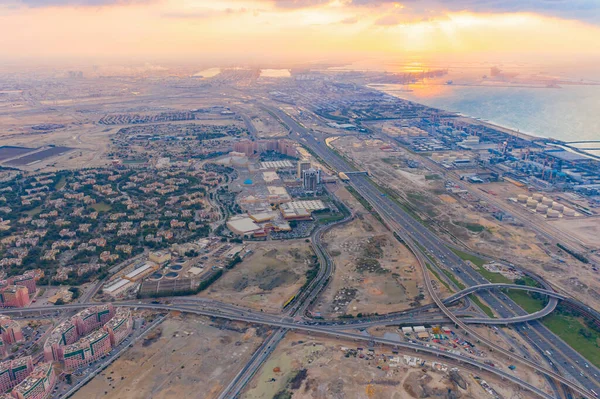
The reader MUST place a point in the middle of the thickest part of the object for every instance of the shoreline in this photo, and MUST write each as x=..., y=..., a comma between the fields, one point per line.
x=476, y=120
x=504, y=129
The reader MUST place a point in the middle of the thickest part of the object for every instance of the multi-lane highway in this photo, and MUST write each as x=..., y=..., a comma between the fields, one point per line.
x=581, y=378
x=414, y=231
x=264, y=351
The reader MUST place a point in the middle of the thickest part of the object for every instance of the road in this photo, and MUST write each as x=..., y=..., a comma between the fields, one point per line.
x=251, y=367
x=413, y=231
x=347, y=335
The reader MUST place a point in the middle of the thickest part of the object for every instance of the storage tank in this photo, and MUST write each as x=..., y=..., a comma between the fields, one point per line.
x=538, y=197
x=522, y=198
x=553, y=213
x=541, y=208
x=547, y=201
x=569, y=212
x=558, y=206
x=531, y=203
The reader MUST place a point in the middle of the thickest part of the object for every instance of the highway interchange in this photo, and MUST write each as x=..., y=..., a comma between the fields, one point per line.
x=580, y=377
x=412, y=231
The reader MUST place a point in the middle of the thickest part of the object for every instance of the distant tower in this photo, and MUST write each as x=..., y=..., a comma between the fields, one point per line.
x=310, y=179
x=302, y=166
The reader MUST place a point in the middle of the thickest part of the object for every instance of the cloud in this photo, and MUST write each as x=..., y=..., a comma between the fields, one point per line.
x=78, y=3
x=298, y=3
x=585, y=10
x=388, y=20
x=204, y=13
x=349, y=21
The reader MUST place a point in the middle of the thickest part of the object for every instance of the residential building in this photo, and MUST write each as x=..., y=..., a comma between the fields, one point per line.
x=12, y=372
x=14, y=296
x=87, y=350
x=10, y=330
x=38, y=385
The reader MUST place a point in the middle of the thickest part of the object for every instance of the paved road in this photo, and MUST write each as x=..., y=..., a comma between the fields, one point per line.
x=416, y=232
x=236, y=385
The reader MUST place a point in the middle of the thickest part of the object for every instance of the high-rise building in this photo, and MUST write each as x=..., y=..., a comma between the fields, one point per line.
x=27, y=279
x=251, y=148
x=14, y=296
x=310, y=179
x=302, y=166
x=38, y=385
x=10, y=330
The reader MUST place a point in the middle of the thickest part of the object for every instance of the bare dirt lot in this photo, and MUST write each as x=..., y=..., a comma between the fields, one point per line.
x=467, y=219
x=191, y=357
x=587, y=230
x=267, y=278
x=374, y=273
x=315, y=367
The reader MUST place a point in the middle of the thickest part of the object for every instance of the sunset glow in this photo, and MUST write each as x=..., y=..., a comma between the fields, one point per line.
x=286, y=30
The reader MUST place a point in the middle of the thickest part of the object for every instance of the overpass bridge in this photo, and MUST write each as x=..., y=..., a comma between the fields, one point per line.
x=382, y=320
x=583, y=142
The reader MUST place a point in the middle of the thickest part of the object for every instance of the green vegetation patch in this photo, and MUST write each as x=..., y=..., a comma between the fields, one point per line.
x=101, y=207
x=34, y=212
x=574, y=332
x=472, y=227
x=526, y=301
x=61, y=183
x=453, y=278
x=495, y=278
x=486, y=309
x=477, y=261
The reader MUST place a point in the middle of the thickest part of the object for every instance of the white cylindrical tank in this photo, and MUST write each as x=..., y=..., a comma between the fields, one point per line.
x=547, y=201
x=569, y=212
x=541, y=208
x=522, y=198
x=558, y=206
x=553, y=213
x=531, y=203
x=538, y=197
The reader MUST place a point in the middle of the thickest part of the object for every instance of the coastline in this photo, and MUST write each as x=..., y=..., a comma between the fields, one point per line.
x=475, y=120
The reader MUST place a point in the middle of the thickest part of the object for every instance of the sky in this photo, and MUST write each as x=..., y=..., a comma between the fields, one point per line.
x=296, y=31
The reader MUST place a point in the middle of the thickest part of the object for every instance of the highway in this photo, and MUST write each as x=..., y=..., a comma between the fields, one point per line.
x=242, y=378
x=582, y=379
x=340, y=334
x=413, y=231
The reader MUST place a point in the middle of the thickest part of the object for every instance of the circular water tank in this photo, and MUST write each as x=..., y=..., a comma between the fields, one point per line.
x=537, y=197
x=522, y=198
x=553, y=213
x=172, y=275
x=569, y=212
x=547, y=201
x=176, y=267
x=558, y=206
x=531, y=203
x=155, y=276
x=541, y=208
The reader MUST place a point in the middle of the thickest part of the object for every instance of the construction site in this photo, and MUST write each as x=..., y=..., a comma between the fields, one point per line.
x=314, y=367
x=269, y=275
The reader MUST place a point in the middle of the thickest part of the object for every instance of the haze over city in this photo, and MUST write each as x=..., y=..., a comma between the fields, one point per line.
x=272, y=31
x=295, y=199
